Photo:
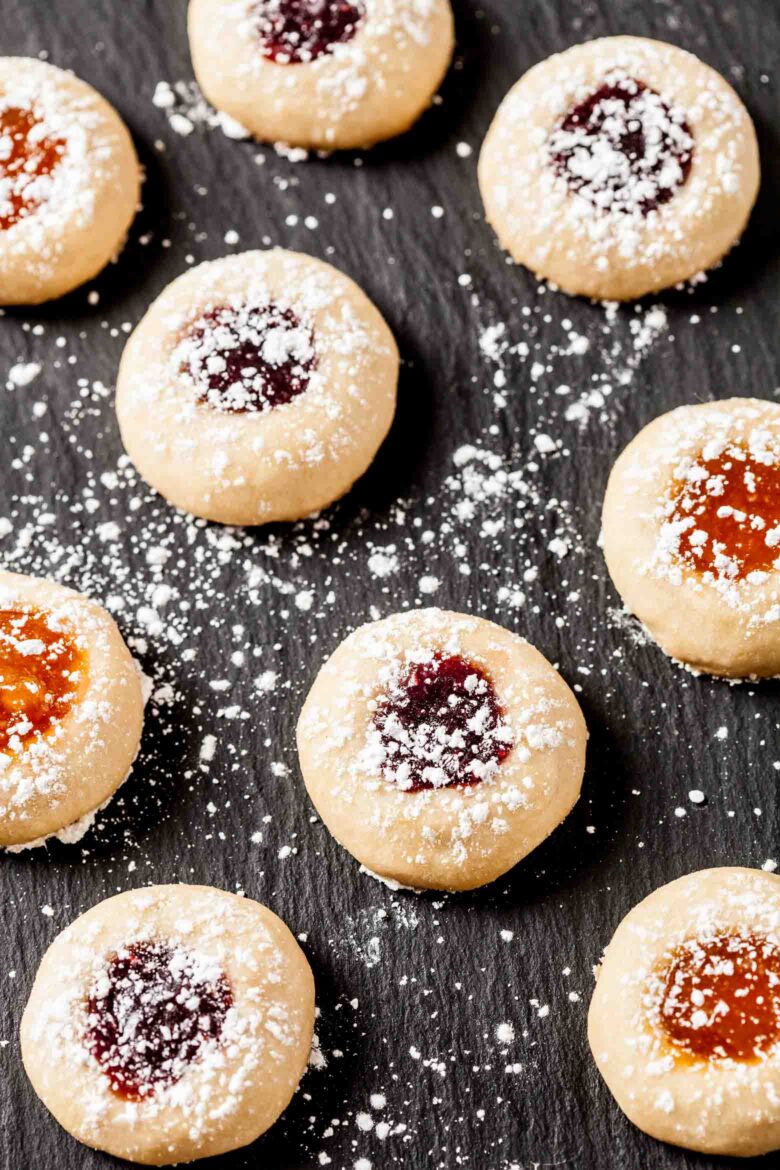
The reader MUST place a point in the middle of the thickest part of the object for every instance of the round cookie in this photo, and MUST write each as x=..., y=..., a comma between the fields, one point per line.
x=71, y=710
x=257, y=388
x=69, y=182
x=170, y=1023
x=440, y=749
x=620, y=167
x=321, y=74
x=691, y=534
x=684, y=1023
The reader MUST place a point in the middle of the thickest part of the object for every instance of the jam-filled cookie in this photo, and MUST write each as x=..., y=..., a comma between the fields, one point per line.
x=440, y=749
x=620, y=167
x=71, y=710
x=257, y=388
x=325, y=74
x=170, y=1023
x=684, y=1024
x=691, y=533
x=69, y=181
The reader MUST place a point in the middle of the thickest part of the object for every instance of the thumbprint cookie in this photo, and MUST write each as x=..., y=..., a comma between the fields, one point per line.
x=69, y=182
x=620, y=167
x=71, y=710
x=684, y=1023
x=321, y=74
x=169, y=1024
x=440, y=749
x=257, y=388
x=691, y=533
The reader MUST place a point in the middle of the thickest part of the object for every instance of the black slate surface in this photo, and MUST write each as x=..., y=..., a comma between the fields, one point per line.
x=411, y=989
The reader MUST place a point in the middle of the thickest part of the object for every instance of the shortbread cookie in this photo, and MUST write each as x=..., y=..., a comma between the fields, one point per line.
x=69, y=181
x=620, y=167
x=440, y=749
x=170, y=1023
x=691, y=533
x=71, y=708
x=326, y=74
x=257, y=388
x=684, y=1023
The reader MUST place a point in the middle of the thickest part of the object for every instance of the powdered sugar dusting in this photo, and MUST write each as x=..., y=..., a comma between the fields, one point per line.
x=461, y=493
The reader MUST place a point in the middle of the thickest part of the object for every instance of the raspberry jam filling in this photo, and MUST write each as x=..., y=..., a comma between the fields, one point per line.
x=293, y=32
x=247, y=360
x=41, y=671
x=151, y=1013
x=441, y=724
x=721, y=997
x=28, y=157
x=727, y=515
x=623, y=148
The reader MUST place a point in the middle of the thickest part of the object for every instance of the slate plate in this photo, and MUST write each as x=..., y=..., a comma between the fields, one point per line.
x=411, y=990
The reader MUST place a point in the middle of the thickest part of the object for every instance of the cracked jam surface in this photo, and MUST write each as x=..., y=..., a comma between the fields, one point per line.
x=727, y=515
x=247, y=360
x=623, y=148
x=151, y=1013
x=40, y=674
x=441, y=724
x=294, y=32
x=721, y=997
x=28, y=157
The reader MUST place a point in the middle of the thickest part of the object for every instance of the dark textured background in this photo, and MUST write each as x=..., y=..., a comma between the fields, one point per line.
x=395, y=973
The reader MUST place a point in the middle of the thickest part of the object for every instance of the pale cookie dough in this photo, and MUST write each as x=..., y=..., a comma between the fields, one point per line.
x=170, y=1023
x=322, y=74
x=69, y=182
x=71, y=708
x=691, y=533
x=257, y=388
x=620, y=167
x=684, y=1024
x=440, y=749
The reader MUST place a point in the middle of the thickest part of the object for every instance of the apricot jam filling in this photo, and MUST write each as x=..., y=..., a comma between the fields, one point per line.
x=294, y=32
x=247, y=360
x=28, y=157
x=721, y=997
x=41, y=673
x=727, y=515
x=151, y=1013
x=623, y=148
x=441, y=724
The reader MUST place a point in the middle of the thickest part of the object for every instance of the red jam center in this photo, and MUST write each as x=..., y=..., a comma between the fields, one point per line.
x=721, y=997
x=27, y=159
x=41, y=671
x=441, y=724
x=248, y=360
x=150, y=1015
x=623, y=148
x=729, y=515
x=293, y=32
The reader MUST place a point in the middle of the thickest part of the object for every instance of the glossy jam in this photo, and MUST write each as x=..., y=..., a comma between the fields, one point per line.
x=248, y=360
x=440, y=725
x=721, y=998
x=734, y=502
x=623, y=148
x=27, y=156
x=150, y=1015
x=293, y=32
x=41, y=673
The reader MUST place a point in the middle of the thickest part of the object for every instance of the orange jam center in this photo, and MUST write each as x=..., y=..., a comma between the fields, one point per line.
x=40, y=674
x=721, y=997
x=731, y=508
x=27, y=156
